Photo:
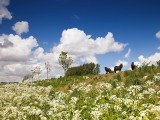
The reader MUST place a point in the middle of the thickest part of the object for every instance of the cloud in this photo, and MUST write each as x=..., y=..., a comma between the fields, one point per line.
x=16, y=48
x=128, y=53
x=4, y=13
x=151, y=59
x=125, y=63
x=89, y=59
x=158, y=34
x=21, y=27
x=19, y=55
x=16, y=56
x=158, y=48
x=148, y=60
x=80, y=45
x=4, y=42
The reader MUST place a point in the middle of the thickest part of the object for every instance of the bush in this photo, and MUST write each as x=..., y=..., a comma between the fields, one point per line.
x=85, y=69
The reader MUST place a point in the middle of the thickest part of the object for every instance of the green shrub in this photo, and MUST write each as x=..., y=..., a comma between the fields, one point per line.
x=85, y=69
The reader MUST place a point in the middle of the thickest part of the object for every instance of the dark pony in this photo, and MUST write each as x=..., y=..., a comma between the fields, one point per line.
x=108, y=70
x=133, y=66
x=118, y=68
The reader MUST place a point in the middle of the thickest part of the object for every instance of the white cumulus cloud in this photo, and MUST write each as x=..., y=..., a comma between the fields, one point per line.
x=151, y=59
x=158, y=34
x=21, y=27
x=4, y=13
x=89, y=59
x=18, y=49
x=80, y=45
x=15, y=56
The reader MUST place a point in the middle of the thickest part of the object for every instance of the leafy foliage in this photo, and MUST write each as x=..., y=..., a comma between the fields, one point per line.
x=65, y=61
x=85, y=69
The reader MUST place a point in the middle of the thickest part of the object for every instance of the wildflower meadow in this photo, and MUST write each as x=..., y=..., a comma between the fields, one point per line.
x=83, y=101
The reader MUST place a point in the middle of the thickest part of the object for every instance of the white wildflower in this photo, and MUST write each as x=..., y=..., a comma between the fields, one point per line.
x=143, y=113
x=149, y=83
x=103, y=85
x=151, y=91
x=113, y=97
x=156, y=108
x=140, y=96
x=124, y=113
x=132, y=118
x=95, y=113
x=117, y=108
x=156, y=77
x=76, y=115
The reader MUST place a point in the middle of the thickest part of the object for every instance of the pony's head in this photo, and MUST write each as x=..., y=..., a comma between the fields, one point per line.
x=121, y=65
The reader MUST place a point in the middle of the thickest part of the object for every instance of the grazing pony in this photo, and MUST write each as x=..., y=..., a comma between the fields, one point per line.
x=108, y=70
x=133, y=66
x=118, y=68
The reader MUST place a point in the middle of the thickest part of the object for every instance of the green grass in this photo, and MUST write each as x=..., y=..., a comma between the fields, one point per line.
x=135, y=77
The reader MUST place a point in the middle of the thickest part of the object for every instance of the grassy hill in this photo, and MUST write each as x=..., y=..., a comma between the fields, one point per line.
x=127, y=95
x=128, y=77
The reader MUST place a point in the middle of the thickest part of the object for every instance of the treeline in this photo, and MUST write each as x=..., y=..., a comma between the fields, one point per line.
x=85, y=69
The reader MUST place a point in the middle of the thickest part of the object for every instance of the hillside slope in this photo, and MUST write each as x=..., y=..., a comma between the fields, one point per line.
x=136, y=77
x=129, y=95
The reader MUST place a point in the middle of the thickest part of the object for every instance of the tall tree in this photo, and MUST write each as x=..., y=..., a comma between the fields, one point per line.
x=48, y=68
x=65, y=61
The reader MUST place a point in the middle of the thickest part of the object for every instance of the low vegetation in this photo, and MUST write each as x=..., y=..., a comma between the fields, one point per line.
x=131, y=95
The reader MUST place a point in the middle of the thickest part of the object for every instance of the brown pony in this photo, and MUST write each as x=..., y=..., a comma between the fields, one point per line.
x=133, y=66
x=108, y=70
x=118, y=68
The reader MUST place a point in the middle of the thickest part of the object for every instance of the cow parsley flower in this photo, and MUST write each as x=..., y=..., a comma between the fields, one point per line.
x=95, y=113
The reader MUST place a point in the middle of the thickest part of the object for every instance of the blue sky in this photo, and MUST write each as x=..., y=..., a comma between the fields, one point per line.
x=132, y=22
